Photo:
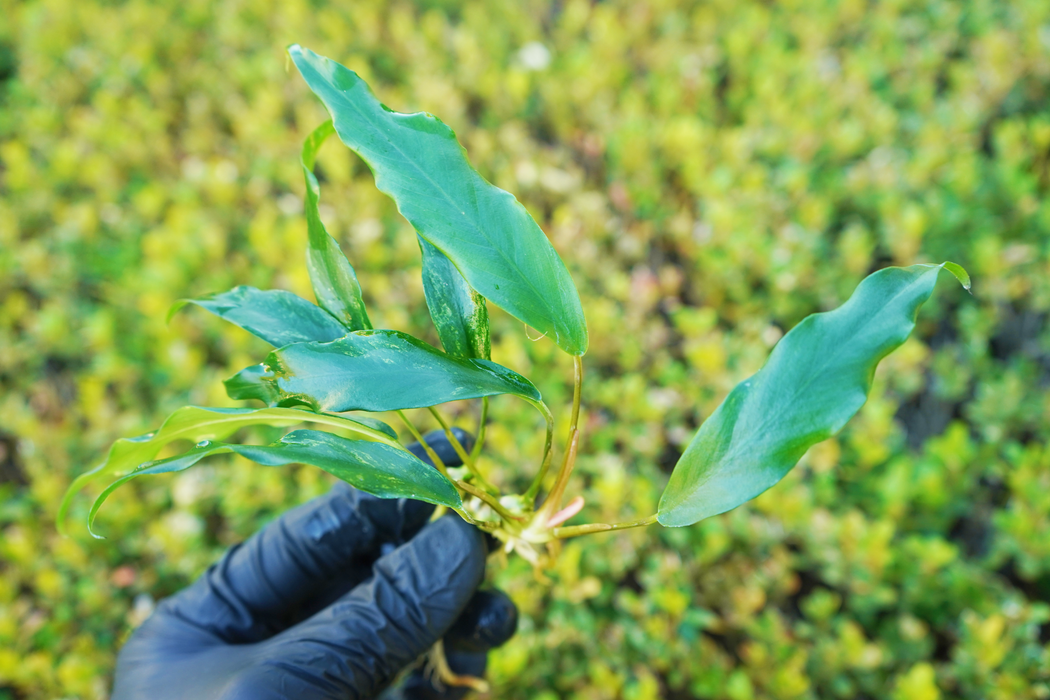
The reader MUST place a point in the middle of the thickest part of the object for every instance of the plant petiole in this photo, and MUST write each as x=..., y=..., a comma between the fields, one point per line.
x=563, y=476
x=482, y=420
x=489, y=500
x=546, y=511
x=468, y=460
x=438, y=464
x=548, y=453
x=575, y=530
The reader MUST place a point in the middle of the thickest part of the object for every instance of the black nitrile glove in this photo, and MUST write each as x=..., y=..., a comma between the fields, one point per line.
x=332, y=600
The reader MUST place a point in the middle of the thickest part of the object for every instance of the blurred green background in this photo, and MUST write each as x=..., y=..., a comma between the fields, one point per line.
x=710, y=171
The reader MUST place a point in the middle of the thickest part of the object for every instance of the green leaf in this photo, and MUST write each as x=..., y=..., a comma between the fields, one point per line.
x=458, y=312
x=960, y=274
x=376, y=468
x=253, y=383
x=817, y=377
x=333, y=279
x=201, y=423
x=375, y=370
x=276, y=316
x=486, y=233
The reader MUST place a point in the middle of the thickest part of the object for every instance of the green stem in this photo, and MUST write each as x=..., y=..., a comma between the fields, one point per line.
x=489, y=499
x=553, y=502
x=482, y=420
x=468, y=461
x=554, y=497
x=548, y=454
x=575, y=530
x=438, y=464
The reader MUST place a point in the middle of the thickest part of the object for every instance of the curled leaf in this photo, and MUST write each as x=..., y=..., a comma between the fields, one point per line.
x=333, y=278
x=458, y=312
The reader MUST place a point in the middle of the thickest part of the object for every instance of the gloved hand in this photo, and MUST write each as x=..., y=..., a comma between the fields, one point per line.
x=332, y=600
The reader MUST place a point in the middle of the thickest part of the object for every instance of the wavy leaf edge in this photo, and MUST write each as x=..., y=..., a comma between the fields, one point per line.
x=675, y=498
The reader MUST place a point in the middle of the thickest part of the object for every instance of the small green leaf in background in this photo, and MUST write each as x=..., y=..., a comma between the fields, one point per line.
x=333, y=278
x=483, y=230
x=458, y=312
x=379, y=469
x=196, y=423
x=276, y=316
x=375, y=370
x=817, y=377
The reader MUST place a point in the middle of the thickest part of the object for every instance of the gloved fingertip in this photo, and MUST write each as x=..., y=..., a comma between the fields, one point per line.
x=488, y=621
x=446, y=559
x=389, y=520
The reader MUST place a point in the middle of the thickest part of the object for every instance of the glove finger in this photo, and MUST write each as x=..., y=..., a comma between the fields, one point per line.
x=324, y=547
x=356, y=646
x=489, y=620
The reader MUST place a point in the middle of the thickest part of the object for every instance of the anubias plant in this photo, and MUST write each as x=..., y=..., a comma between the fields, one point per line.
x=479, y=244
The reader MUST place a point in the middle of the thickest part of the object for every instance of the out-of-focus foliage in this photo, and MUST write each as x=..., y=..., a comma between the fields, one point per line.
x=711, y=173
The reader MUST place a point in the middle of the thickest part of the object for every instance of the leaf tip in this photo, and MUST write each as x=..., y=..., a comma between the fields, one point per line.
x=91, y=529
x=176, y=308
x=960, y=274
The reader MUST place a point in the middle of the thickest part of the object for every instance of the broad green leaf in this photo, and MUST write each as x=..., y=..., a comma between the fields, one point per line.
x=486, y=233
x=458, y=312
x=817, y=377
x=375, y=370
x=200, y=423
x=333, y=279
x=276, y=316
x=376, y=468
